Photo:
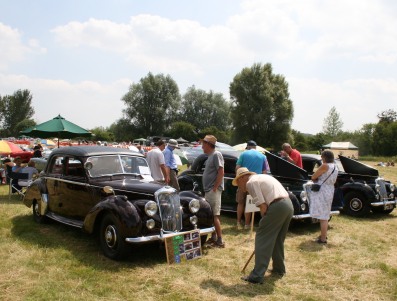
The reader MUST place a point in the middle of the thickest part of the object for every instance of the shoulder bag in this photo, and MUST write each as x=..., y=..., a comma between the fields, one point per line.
x=316, y=187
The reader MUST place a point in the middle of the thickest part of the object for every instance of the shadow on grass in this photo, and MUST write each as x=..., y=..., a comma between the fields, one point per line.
x=242, y=289
x=84, y=247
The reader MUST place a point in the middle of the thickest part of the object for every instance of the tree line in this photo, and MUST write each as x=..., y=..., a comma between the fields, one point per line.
x=260, y=109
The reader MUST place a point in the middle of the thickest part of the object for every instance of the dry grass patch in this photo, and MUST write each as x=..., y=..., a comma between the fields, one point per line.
x=55, y=262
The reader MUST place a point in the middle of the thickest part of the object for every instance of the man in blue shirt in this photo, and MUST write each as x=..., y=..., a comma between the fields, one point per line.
x=256, y=162
x=170, y=164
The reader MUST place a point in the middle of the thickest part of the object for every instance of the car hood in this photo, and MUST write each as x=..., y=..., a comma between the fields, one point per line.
x=282, y=168
x=354, y=167
x=128, y=184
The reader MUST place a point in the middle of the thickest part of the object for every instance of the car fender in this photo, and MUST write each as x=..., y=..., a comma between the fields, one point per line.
x=366, y=190
x=34, y=192
x=123, y=209
x=205, y=215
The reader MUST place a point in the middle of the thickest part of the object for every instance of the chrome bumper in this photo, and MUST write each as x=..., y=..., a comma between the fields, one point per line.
x=382, y=203
x=307, y=215
x=142, y=239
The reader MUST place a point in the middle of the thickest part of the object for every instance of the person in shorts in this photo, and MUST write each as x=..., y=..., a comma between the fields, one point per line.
x=213, y=184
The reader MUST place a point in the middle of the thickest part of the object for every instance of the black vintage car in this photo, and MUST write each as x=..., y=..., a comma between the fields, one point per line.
x=109, y=191
x=293, y=178
x=362, y=187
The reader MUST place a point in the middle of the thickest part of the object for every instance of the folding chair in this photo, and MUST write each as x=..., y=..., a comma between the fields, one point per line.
x=14, y=186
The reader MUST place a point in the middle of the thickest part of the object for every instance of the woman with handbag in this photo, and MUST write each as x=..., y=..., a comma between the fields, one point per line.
x=321, y=200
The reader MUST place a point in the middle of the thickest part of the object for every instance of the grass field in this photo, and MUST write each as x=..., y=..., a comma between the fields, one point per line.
x=55, y=262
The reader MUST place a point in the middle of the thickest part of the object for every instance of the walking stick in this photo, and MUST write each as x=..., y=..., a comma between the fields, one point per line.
x=248, y=261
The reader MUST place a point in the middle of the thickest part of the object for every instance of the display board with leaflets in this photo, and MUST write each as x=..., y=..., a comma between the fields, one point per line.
x=183, y=247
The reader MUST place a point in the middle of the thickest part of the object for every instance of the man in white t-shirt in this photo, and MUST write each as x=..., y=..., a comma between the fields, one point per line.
x=155, y=159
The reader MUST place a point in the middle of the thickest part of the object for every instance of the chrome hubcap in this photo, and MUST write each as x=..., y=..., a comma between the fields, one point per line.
x=356, y=204
x=111, y=236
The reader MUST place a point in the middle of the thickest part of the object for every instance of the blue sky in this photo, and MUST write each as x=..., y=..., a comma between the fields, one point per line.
x=78, y=58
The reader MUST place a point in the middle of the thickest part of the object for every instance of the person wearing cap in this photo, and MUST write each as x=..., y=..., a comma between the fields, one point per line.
x=170, y=164
x=156, y=161
x=213, y=186
x=276, y=210
x=257, y=162
x=291, y=155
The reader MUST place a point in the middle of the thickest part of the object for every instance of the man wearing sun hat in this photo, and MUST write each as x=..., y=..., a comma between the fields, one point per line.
x=257, y=162
x=276, y=210
x=170, y=164
x=213, y=186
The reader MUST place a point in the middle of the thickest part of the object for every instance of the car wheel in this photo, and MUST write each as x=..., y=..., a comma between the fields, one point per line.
x=111, y=239
x=37, y=214
x=356, y=204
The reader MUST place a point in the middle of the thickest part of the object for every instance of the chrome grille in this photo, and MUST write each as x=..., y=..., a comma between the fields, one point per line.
x=382, y=188
x=170, y=209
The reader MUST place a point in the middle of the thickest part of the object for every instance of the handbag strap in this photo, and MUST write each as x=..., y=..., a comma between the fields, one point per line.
x=328, y=175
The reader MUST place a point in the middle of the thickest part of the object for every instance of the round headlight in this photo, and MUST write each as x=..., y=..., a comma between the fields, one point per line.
x=193, y=220
x=303, y=196
x=150, y=208
x=303, y=207
x=392, y=187
x=194, y=205
x=150, y=224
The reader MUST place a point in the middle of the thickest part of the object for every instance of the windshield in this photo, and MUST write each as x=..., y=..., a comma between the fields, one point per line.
x=116, y=164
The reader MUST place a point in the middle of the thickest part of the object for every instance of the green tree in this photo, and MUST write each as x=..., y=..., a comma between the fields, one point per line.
x=203, y=109
x=123, y=130
x=385, y=137
x=317, y=141
x=184, y=130
x=299, y=141
x=102, y=134
x=152, y=104
x=14, y=109
x=332, y=124
x=364, y=138
x=24, y=124
x=388, y=116
x=261, y=108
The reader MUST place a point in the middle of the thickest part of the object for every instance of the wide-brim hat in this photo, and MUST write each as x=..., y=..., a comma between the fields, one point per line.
x=242, y=171
x=209, y=139
x=173, y=142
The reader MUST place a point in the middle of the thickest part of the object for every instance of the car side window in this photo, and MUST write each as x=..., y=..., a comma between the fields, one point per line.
x=56, y=166
x=73, y=168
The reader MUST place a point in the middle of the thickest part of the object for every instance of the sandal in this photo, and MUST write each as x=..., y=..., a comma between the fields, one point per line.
x=322, y=242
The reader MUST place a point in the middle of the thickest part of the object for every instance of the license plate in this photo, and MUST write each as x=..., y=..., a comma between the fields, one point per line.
x=388, y=206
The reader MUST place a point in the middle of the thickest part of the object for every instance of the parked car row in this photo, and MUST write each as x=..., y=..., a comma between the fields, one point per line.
x=110, y=192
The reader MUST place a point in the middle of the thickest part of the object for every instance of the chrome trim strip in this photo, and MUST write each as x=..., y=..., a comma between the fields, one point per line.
x=307, y=215
x=376, y=204
x=142, y=239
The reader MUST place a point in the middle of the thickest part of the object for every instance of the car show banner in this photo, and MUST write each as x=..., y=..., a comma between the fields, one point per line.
x=183, y=247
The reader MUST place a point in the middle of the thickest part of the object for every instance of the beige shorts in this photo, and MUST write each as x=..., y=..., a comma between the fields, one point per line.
x=214, y=199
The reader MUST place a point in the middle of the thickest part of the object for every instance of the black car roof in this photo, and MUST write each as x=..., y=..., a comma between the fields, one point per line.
x=93, y=150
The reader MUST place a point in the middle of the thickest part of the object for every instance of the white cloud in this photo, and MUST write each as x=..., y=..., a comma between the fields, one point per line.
x=12, y=48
